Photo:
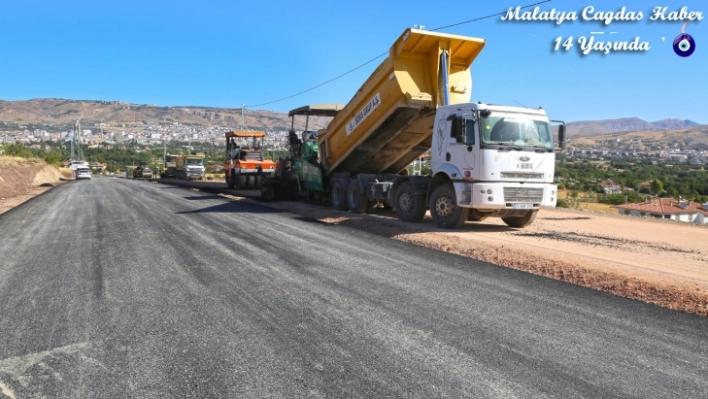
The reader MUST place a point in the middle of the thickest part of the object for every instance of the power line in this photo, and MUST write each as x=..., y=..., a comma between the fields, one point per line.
x=488, y=16
x=321, y=84
x=382, y=54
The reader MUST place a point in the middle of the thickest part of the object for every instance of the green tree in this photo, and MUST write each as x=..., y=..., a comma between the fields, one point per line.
x=53, y=158
x=657, y=186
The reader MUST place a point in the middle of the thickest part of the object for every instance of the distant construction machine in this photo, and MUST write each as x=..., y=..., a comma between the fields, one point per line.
x=142, y=171
x=170, y=166
x=245, y=165
x=298, y=174
x=190, y=167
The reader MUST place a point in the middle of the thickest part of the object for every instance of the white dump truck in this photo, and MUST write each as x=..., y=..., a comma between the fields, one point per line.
x=486, y=160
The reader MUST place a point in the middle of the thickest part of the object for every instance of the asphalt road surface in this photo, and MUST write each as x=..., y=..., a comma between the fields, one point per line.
x=115, y=288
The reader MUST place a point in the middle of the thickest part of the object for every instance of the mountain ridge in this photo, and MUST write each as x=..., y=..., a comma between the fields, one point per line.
x=606, y=126
x=45, y=111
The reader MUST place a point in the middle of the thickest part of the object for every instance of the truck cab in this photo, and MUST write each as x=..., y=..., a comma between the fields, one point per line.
x=190, y=167
x=500, y=161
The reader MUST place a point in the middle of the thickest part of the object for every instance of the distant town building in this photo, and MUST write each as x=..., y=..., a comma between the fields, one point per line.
x=610, y=187
x=668, y=208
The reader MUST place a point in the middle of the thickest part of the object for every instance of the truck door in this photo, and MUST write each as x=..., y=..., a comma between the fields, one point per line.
x=462, y=145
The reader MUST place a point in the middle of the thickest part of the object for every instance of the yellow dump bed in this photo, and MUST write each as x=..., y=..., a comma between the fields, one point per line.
x=389, y=122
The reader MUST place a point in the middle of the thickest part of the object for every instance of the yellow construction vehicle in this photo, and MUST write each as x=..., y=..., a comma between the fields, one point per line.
x=486, y=160
x=190, y=167
x=170, y=166
x=245, y=165
x=142, y=171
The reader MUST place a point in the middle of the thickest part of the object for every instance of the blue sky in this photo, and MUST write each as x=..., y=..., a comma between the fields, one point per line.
x=228, y=53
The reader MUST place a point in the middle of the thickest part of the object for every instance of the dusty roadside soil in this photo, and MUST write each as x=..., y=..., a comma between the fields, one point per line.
x=8, y=203
x=660, y=262
x=22, y=179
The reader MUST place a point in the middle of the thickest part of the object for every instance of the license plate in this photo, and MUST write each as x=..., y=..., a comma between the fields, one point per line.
x=523, y=206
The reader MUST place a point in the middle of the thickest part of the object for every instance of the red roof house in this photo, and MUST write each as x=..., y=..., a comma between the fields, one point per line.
x=668, y=208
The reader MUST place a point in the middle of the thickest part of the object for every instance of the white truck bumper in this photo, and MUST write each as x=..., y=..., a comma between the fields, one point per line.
x=508, y=196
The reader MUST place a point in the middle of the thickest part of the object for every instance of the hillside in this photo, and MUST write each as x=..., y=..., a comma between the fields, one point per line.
x=116, y=113
x=691, y=138
x=64, y=113
x=601, y=127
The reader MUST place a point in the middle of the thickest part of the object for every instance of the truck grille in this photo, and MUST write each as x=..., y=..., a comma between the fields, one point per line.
x=523, y=194
x=521, y=175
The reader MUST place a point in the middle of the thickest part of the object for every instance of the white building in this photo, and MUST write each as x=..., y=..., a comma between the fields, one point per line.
x=668, y=208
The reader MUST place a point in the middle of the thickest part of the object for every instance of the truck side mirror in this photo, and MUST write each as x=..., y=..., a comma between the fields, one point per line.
x=561, y=137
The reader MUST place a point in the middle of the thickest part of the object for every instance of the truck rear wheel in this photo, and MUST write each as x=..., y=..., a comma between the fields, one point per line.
x=339, y=195
x=521, y=221
x=252, y=182
x=231, y=180
x=409, y=206
x=356, y=199
x=444, y=209
x=241, y=182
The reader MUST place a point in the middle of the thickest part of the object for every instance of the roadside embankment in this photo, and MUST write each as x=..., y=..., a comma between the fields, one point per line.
x=21, y=179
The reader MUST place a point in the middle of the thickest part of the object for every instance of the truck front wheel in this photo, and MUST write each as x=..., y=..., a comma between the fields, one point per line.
x=444, y=209
x=409, y=206
x=522, y=221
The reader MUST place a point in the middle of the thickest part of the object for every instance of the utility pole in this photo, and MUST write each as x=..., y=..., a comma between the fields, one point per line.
x=77, y=131
x=73, y=137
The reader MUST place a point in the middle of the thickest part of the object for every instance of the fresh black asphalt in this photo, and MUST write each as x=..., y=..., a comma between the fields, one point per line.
x=114, y=288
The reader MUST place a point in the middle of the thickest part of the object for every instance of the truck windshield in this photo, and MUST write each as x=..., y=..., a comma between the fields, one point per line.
x=516, y=130
x=194, y=161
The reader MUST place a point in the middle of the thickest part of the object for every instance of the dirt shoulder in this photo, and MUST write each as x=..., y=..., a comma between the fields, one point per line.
x=22, y=179
x=655, y=261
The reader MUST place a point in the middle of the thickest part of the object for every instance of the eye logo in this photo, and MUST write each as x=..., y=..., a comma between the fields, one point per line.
x=684, y=45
